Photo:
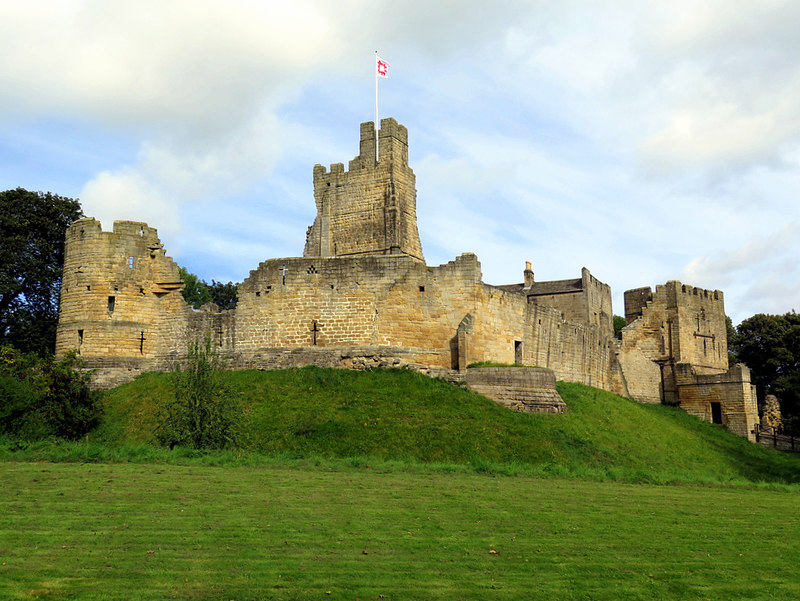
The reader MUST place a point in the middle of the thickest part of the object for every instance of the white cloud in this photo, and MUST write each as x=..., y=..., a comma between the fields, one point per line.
x=638, y=139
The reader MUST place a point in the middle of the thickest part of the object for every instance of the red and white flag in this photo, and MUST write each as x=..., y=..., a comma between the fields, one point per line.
x=382, y=66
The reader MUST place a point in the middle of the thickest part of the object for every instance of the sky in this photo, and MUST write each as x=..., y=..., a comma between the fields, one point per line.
x=646, y=141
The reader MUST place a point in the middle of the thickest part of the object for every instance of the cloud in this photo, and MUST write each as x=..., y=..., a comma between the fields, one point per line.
x=156, y=64
x=638, y=139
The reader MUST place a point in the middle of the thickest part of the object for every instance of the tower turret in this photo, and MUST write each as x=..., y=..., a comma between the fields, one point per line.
x=370, y=209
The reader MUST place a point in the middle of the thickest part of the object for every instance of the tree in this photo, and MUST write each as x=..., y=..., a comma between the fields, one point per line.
x=733, y=342
x=770, y=346
x=41, y=397
x=225, y=296
x=195, y=291
x=619, y=323
x=32, y=228
x=198, y=292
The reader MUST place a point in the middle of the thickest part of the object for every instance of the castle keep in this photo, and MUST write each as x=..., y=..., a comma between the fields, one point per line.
x=362, y=295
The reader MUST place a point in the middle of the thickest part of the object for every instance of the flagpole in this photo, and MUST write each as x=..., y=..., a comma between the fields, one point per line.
x=377, y=123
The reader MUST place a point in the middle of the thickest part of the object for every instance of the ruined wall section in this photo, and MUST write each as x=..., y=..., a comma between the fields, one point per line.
x=727, y=398
x=598, y=294
x=575, y=352
x=702, y=329
x=585, y=300
x=676, y=324
x=370, y=208
x=442, y=317
x=341, y=302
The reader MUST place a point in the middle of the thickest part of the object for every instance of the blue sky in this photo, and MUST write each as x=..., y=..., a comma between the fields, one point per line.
x=646, y=142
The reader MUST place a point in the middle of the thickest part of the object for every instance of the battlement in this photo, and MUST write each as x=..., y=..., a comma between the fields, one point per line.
x=674, y=288
x=370, y=208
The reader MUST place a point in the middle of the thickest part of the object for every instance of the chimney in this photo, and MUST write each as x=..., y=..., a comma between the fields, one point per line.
x=528, y=275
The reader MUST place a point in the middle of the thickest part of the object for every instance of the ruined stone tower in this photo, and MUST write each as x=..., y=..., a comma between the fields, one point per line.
x=370, y=209
x=675, y=350
x=120, y=296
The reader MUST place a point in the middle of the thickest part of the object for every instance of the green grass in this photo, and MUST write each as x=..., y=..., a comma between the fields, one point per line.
x=153, y=532
x=401, y=416
x=387, y=484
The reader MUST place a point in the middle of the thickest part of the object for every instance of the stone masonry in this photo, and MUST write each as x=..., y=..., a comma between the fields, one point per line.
x=362, y=295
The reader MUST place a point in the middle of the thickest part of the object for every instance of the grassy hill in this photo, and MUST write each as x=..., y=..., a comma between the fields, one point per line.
x=402, y=416
x=370, y=485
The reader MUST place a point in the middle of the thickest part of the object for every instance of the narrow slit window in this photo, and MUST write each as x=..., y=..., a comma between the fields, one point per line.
x=112, y=301
x=130, y=262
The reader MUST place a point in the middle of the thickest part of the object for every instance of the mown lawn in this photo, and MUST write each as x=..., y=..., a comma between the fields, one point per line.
x=136, y=531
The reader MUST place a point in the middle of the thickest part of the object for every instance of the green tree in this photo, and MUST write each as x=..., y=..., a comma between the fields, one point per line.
x=225, y=296
x=198, y=292
x=41, y=396
x=770, y=346
x=619, y=323
x=32, y=228
x=733, y=342
x=195, y=291
x=202, y=413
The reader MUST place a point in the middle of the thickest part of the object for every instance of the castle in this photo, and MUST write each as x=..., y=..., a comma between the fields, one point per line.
x=362, y=295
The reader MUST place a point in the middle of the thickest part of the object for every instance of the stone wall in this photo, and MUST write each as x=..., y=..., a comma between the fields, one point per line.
x=396, y=301
x=529, y=389
x=120, y=295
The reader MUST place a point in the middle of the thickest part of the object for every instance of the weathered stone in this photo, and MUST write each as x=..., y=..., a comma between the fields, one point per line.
x=771, y=413
x=530, y=389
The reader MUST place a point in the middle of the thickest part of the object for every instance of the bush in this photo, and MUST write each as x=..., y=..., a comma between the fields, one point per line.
x=41, y=397
x=202, y=414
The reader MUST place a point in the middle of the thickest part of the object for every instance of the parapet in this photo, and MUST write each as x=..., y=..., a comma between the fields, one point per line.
x=674, y=288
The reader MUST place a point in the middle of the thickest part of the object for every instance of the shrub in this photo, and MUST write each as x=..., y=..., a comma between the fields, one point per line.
x=201, y=414
x=41, y=397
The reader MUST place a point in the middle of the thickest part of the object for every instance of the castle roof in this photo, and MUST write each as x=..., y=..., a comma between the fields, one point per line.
x=546, y=288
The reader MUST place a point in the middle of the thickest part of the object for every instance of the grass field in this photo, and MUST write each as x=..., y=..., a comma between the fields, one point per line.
x=390, y=485
x=128, y=531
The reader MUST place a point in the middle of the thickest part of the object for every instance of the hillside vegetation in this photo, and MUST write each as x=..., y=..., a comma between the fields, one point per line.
x=402, y=416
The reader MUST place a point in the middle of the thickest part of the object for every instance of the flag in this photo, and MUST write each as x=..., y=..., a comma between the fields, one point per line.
x=382, y=66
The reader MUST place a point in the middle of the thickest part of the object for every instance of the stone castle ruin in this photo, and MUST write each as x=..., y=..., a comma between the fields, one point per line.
x=362, y=295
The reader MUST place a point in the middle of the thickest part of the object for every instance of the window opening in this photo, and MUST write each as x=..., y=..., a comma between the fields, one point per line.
x=518, y=351
x=80, y=340
x=314, y=332
x=141, y=343
x=111, y=302
x=130, y=262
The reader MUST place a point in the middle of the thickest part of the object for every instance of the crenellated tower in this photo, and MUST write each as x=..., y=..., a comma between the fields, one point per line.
x=370, y=209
